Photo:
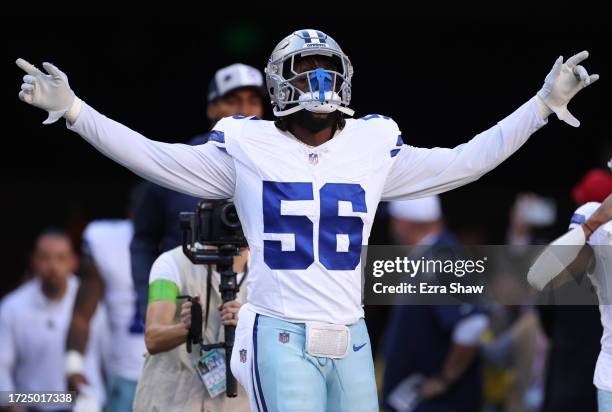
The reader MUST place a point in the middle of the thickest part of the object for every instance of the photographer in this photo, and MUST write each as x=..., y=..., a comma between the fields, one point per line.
x=172, y=378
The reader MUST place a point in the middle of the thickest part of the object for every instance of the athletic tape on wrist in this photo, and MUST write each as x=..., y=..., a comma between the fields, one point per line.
x=73, y=363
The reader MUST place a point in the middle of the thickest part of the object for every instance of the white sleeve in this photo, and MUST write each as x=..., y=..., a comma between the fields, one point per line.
x=555, y=259
x=165, y=268
x=202, y=171
x=469, y=330
x=419, y=172
x=8, y=354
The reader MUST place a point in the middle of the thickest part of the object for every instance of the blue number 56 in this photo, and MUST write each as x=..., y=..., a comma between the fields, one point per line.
x=330, y=225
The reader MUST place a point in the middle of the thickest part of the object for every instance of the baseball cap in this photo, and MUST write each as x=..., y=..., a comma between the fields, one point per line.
x=425, y=209
x=233, y=77
x=595, y=186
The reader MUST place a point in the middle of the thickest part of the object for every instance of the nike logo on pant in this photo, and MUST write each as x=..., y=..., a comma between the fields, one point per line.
x=356, y=348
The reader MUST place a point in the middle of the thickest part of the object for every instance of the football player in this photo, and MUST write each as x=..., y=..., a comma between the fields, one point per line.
x=306, y=188
x=586, y=248
x=105, y=276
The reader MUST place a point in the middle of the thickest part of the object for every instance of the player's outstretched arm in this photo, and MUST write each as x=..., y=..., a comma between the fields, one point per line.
x=421, y=172
x=565, y=258
x=203, y=171
x=570, y=253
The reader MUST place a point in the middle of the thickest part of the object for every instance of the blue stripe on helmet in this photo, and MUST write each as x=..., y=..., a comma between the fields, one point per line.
x=400, y=141
x=306, y=36
x=321, y=36
x=394, y=152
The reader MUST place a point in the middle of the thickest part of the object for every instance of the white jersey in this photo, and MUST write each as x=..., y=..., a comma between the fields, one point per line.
x=108, y=243
x=306, y=211
x=601, y=278
x=33, y=331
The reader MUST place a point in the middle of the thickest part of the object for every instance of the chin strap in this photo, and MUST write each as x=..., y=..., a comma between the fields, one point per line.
x=297, y=108
x=346, y=111
x=282, y=113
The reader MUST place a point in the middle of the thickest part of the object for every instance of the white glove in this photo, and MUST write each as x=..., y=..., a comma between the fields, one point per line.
x=562, y=83
x=50, y=92
x=86, y=400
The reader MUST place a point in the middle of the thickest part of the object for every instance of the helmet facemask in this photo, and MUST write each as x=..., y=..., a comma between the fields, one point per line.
x=323, y=87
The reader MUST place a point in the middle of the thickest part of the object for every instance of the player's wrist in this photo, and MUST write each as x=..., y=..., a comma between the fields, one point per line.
x=543, y=109
x=76, y=381
x=74, y=363
x=591, y=225
x=72, y=114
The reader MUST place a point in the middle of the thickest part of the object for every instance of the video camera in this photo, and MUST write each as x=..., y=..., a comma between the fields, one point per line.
x=212, y=235
x=214, y=223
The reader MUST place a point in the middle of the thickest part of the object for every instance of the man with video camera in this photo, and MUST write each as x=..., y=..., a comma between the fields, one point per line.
x=178, y=376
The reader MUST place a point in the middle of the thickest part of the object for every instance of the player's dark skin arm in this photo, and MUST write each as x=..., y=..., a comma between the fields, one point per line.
x=600, y=217
x=88, y=296
x=459, y=358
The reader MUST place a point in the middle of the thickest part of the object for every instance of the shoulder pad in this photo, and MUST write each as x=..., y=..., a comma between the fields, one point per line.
x=228, y=127
x=375, y=116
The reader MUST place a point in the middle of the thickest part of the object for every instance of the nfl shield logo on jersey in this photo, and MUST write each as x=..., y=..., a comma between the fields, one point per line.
x=243, y=355
x=283, y=337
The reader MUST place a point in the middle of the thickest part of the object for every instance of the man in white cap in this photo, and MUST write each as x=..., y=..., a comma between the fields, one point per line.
x=439, y=343
x=235, y=90
x=419, y=222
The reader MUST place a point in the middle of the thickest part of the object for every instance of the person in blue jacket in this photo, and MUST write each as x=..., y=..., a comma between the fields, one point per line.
x=439, y=343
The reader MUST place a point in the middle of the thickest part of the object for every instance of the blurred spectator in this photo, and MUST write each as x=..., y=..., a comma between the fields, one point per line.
x=234, y=90
x=106, y=276
x=594, y=186
x=34, y=321
x=529, y=212
x=514, y=355
x=515, y=347
x=437, y=342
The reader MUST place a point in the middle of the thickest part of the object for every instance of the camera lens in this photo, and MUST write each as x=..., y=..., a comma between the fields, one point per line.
x=229, y=216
